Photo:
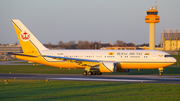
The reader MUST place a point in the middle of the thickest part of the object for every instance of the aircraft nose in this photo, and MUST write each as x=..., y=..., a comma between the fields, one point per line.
x=174, y=60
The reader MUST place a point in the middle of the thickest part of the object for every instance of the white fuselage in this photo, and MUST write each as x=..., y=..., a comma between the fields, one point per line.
x=114, y=55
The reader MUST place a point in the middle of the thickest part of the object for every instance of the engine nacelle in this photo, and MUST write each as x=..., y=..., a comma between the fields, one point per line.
x=107, y=67
x=111, y=67
x=119, y=68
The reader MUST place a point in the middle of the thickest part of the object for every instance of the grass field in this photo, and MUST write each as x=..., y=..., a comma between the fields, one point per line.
x=37, y=90
x=177, y=57
x=54, y=90
x=42, y=69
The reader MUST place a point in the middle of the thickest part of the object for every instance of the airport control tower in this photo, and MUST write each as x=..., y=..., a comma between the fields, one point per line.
x=152, y=18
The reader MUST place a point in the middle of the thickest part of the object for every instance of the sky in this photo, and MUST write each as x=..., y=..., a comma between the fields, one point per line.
x=106, y=21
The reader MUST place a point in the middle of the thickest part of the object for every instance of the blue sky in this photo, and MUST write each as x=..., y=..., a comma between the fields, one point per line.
x=92, y=20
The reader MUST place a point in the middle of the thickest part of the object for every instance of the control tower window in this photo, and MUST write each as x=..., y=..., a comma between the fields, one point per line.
x=152, y=13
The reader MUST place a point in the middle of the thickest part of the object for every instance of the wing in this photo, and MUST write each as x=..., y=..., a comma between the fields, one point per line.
x=82, y=62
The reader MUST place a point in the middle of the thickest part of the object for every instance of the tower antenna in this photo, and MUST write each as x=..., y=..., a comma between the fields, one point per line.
x=155, y=5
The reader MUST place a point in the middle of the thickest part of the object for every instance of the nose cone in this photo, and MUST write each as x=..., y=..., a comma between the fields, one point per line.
x=174, y=60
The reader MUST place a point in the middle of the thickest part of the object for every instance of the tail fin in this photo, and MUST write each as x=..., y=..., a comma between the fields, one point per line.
x=29, y=43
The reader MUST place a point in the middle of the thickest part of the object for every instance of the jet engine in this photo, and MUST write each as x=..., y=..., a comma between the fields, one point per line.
x=111, y=67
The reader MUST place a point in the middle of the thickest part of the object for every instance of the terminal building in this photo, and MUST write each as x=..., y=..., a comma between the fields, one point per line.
x=170, y=39
x=4, y=49
x=121, y=48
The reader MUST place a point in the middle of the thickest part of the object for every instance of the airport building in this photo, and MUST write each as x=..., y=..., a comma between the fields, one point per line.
x=4, y=49
x=10, y=48
x=121, y=48
x=147, y=48
x=170, y=39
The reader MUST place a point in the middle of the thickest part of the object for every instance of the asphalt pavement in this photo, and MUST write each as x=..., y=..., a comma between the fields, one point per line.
x=165, y=79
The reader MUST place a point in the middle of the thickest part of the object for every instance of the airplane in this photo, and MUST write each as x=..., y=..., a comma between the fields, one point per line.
x=95, y=62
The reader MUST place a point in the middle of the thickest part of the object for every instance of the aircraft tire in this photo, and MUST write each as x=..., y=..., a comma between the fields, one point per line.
x=160, y=73
x=89, y=73
x=94, y=73
x=99, y=73
x=85, y=73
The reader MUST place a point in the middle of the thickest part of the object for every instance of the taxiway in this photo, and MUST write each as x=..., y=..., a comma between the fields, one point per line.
x=167, y=79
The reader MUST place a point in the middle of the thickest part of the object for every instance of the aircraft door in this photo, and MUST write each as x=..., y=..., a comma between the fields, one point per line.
x=154, y=57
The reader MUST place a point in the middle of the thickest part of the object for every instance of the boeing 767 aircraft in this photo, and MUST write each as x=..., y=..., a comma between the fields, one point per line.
x=95, y=62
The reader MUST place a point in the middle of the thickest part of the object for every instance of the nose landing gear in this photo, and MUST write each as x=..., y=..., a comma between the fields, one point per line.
x=160, y=71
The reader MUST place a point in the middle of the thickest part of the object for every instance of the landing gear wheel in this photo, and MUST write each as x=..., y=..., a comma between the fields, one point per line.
x=160, y=73
x=94, y=73
x=85, y=73
x=99, y=73
x=89, y=73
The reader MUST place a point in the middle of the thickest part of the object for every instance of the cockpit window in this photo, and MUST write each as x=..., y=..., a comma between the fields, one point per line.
x=167, y=56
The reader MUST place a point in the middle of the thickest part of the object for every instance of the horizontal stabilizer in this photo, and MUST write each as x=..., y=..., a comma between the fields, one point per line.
x=11, y=53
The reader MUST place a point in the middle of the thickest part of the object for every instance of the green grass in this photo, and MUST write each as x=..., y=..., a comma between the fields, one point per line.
x=26, y=62
x=85, y=90
x=42, y=69
x=37, y=90
x=177, y=58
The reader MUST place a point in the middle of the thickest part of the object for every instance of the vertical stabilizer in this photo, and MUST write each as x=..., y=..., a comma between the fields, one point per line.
x=29, y=43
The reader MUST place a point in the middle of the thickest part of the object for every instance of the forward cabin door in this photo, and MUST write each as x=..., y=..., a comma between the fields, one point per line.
x=154, y=57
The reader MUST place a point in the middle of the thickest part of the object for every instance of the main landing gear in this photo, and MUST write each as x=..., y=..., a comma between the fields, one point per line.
x=92, y=73
x=88, y=72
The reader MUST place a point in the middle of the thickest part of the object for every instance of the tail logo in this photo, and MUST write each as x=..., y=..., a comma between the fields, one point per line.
x=25, y=36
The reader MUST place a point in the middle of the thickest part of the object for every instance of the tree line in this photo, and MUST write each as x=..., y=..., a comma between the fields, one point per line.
x=86, y=45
